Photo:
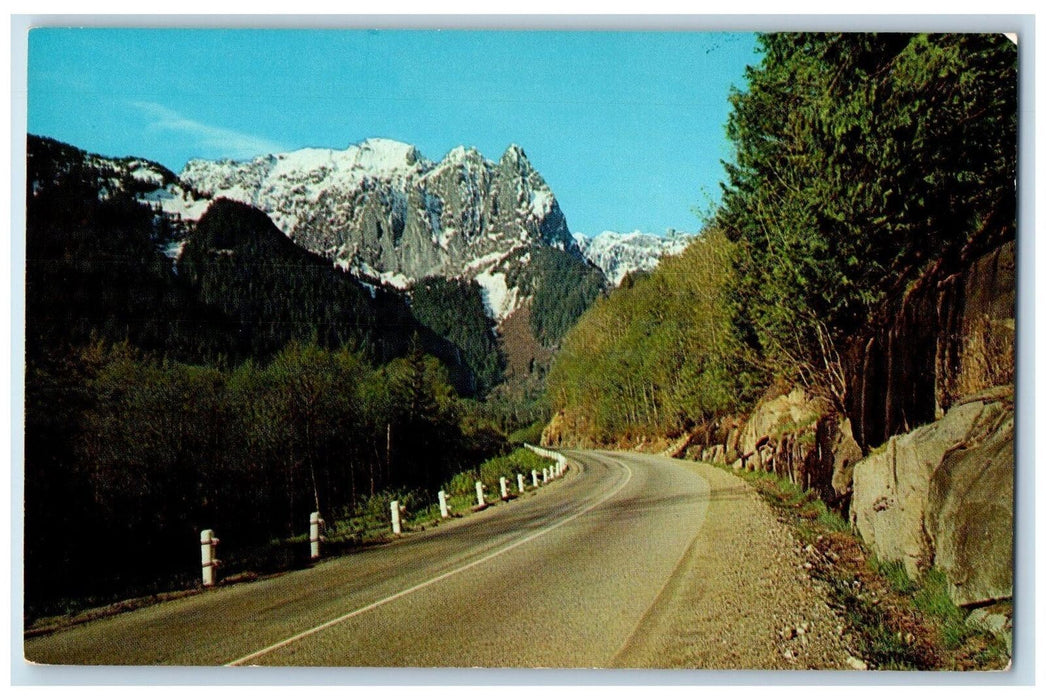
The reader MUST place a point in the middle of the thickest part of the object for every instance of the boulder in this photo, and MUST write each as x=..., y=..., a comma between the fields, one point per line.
x=778, y=415
x=996, y=620
x=891, y=507
x=969, y=517
x=845, y=454
x=733, y=440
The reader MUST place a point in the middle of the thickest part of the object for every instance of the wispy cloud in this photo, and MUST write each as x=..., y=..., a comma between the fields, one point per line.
x=210, y=140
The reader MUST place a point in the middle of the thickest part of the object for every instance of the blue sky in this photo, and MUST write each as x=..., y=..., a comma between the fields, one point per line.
x=626, y=127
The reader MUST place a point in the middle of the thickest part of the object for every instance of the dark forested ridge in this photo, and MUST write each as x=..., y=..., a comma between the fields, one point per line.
x=237, y=261
x=563, y=287
x=453, y=309
x=94, y=267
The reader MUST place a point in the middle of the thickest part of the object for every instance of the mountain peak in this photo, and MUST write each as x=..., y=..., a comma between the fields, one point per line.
x=514, y=154
x=461, y=154
x=382, y=151
x=383, y=210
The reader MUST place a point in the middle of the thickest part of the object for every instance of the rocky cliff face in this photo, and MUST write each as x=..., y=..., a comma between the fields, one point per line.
x=383, y=211
x=939, y=496
x=951, y=333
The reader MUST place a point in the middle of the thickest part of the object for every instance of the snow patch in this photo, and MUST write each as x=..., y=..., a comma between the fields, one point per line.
x=145, y=174
x=396, y=279
x=175, y=202
x=499, y=299
x=173, y=249
x=488, y=261
x=541, y=202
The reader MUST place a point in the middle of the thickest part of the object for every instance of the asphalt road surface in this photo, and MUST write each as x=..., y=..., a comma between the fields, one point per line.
x=562, y=578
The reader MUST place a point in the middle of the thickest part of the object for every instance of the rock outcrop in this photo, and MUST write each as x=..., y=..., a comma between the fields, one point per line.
x=946, y=335
x=845, y=454
x=797, y=436
x=970, y=517
x=942, y=495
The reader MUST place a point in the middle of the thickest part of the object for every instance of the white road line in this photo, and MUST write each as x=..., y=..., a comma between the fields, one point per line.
x=425, y=584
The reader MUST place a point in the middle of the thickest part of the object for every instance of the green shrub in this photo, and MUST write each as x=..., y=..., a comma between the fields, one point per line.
x=522, y=461
x=530, y=434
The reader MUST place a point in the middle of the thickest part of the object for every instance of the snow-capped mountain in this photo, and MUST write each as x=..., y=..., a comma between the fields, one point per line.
x=383, y=211
x=618, y=254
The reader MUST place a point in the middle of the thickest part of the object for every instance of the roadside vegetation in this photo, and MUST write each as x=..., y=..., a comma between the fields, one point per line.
x=900, y=624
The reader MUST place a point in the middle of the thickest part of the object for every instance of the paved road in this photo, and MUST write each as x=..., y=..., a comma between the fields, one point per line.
x=560, y=579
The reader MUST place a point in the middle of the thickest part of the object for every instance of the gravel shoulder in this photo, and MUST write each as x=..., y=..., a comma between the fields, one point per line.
x=741, y=597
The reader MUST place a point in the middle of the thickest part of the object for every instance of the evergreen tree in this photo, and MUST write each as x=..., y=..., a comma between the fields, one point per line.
x=859, y=158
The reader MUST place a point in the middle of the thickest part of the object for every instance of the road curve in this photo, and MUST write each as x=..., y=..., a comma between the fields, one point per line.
x=560, y=579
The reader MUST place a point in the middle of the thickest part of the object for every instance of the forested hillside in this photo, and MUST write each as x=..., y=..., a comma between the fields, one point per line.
x=862, y=163
x=94, y=266
x=237, y=261
x=563, y=287
x=453, y=309
x=658, y=355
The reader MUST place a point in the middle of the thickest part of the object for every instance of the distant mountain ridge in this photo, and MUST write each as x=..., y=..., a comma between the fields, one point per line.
x=395, y=221
x=619, y=254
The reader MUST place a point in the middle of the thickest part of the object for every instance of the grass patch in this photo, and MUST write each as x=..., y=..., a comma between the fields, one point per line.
x=932, y=599
x=894, y=573
x=371, y=521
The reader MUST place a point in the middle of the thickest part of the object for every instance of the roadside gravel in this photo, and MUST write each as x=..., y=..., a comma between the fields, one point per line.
x=742, y=597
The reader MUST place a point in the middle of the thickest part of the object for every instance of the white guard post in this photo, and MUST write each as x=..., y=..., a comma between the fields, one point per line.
x=394, y=507
x=315, y=534
x=504, y=488
x=479, y=493
x=544, y=476
x=534, y=477
x=444, y=511
x=208, y=548
x=519, y=482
